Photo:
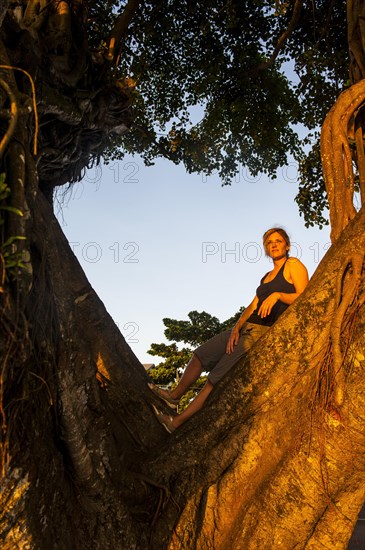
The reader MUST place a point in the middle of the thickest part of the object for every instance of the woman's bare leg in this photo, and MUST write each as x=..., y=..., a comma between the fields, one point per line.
x=195, y=405
x=191, y=374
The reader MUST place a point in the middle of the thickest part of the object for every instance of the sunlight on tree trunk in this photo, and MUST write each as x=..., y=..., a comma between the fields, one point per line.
x=292, y=458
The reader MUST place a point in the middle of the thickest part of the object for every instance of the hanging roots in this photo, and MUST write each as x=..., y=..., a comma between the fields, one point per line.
x=14, y=110
x=339, y=127
x=331, y=381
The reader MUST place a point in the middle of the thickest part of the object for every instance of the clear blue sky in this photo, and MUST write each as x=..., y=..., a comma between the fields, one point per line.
x=157, y=242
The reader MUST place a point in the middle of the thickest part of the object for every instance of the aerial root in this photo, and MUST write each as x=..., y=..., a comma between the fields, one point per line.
x=347, y=294
x=331, y=376
x=338, y=131
x=13, y=117
x=11, y=96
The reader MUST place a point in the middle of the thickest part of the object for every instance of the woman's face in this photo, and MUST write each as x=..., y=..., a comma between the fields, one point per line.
x=276, y=246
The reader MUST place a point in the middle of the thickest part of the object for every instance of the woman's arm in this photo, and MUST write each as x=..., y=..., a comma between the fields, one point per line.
x=298, y=276
x=246, y=313
x=235, y=334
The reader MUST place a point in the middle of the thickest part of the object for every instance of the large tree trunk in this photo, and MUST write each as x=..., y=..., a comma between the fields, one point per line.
x=275, y=459
x=272, y=461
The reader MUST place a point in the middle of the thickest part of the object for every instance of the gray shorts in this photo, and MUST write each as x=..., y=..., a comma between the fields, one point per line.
x=212, y=354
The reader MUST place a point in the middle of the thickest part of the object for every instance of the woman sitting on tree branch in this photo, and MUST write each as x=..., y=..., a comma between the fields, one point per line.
x=277, y=290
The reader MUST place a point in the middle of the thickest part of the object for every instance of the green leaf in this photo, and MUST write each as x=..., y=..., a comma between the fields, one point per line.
x=10, y=240
x=12, y=209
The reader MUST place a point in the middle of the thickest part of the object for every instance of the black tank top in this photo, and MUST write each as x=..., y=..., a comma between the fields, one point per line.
x=278, y=284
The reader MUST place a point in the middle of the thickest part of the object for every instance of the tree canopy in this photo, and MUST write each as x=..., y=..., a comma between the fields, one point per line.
x=213, y=85
x=263, y=74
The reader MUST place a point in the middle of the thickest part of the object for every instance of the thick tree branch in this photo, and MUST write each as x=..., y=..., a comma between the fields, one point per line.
x=355, y=34
x=282, y=39
x=120, y=29
x=259, y=460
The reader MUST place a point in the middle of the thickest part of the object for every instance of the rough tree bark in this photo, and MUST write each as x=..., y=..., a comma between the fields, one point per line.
x=275, y=460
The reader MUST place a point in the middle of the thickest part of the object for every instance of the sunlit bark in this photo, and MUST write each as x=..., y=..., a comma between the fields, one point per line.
x=337, y=157
x=284, y=459
x=342, y=143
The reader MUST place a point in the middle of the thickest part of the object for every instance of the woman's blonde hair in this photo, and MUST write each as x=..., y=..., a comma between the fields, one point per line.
x=281, y=232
